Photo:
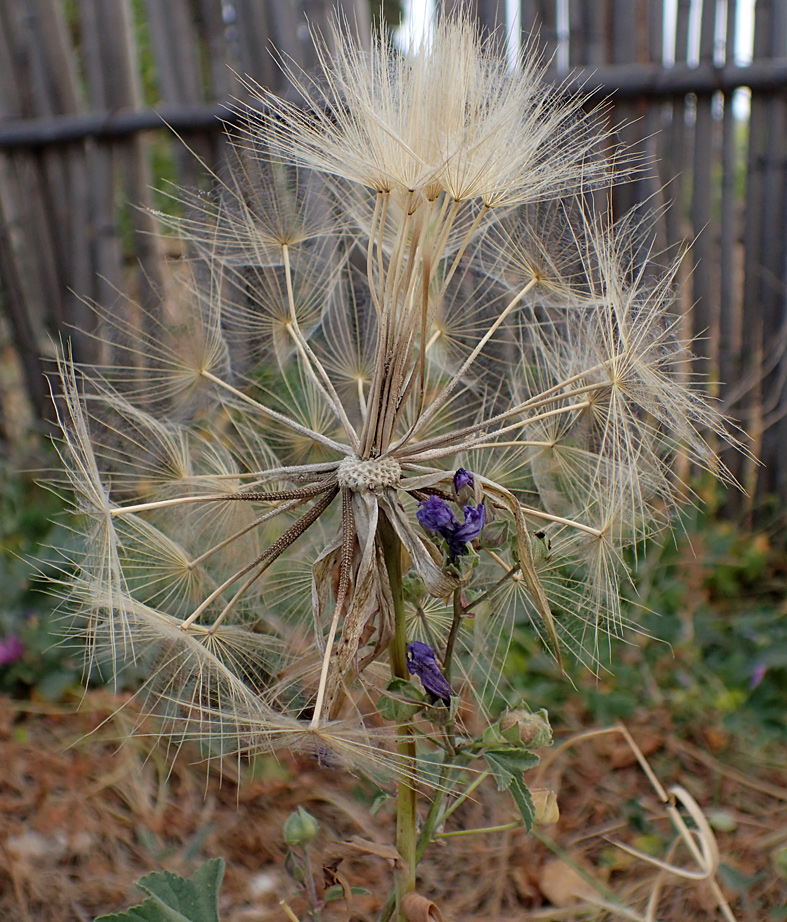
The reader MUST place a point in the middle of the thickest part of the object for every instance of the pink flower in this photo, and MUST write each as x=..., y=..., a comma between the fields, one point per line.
x=11, y=649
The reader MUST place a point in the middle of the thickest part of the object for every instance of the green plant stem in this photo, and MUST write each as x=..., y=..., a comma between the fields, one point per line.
x=406, y=794
x=387, y=911
x=516, y=824
x=485, y=595
x=424, y=839
x=464, y=795
x=434, y=818
x=452, y=634
x=288, y=912
x=310, y=885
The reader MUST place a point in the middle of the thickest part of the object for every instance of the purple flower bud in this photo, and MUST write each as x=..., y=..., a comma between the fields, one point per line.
x=469, y=531
x=421, y=662
x=464, y=486
x=11, y=649
x=435, y=515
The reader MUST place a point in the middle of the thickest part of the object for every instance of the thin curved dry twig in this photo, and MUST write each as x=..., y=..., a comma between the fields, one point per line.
x=701, y=841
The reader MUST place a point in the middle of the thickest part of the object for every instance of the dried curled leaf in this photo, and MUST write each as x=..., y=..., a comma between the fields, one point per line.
x=418, y=908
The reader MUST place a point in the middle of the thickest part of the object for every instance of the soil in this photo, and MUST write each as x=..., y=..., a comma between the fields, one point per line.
x=84, y=812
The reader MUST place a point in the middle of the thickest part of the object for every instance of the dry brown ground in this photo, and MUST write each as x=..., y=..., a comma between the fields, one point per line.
x=81, y=818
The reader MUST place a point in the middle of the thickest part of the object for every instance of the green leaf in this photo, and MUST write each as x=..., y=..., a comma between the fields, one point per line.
x=337, y=893
x=403, y=702
x=524, y=801
x=511, y=735
x=177, y=899
x=508, y=764
x=430, y=766
x=736, y=880
x=149, y=911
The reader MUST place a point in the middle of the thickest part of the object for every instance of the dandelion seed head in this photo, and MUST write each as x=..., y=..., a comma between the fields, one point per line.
x=398, y=323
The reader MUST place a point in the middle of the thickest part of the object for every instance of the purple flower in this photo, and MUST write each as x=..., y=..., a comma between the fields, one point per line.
x=463, y=478
x=435, y=515
x=421, y=662
x=469, y=531
x=758, y=674
x=11, y=649
x=325, y=757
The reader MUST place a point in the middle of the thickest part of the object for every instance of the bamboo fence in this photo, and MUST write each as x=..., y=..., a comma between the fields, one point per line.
x=88, y=89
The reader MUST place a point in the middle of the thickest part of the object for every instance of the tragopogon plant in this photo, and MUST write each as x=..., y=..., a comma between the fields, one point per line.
x=414, y=391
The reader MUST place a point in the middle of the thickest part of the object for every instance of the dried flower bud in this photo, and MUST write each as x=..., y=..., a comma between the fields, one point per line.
x=421, y=661
x=534, y=730
x=294, y=866
x=545, y=802
x=300, y=827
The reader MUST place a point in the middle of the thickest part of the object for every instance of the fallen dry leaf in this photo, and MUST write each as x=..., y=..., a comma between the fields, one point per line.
x=618, y=752
x=355, y=846
x=562, y=885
